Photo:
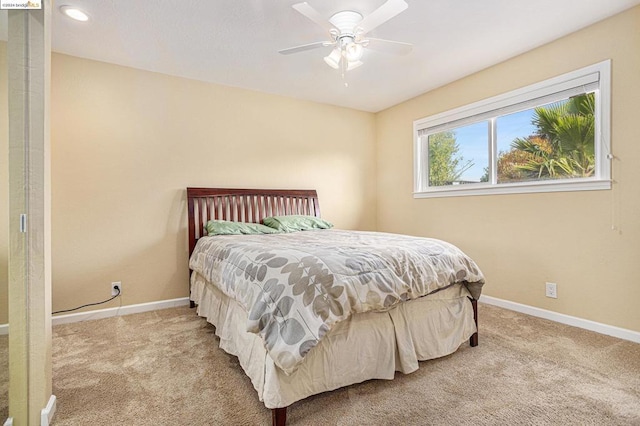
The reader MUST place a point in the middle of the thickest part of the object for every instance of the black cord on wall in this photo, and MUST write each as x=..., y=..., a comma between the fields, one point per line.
x=90, y=304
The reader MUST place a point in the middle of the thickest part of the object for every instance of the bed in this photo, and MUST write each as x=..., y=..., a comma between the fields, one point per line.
x=348, y=336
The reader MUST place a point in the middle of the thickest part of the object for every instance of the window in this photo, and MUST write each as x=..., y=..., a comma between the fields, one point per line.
x=550, y=136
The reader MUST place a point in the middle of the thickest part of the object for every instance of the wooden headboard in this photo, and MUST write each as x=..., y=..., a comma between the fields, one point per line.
x=244, y=205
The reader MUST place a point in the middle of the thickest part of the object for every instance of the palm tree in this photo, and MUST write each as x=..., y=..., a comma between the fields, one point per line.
x=563, y=145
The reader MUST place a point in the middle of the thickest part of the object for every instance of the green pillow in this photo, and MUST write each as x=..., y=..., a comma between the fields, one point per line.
x=294, y=223
x=223, y=227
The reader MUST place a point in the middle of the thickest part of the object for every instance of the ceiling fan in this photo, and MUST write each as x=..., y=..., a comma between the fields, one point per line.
x=347, y=30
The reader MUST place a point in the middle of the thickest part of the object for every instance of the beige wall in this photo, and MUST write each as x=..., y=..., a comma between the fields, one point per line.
x=126, y=143
x=4, y=186
x=521, y=241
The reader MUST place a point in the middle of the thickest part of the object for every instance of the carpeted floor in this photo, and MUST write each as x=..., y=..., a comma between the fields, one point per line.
x=164, y=368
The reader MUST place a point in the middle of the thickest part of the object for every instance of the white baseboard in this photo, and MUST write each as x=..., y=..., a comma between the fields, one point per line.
x=46, y=415
x=123, y=310
x=609, y=330
x=9, y=422
x=4, y=329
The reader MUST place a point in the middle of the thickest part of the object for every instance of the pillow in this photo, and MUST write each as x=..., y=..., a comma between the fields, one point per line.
x=294, y=223
x=223, y=227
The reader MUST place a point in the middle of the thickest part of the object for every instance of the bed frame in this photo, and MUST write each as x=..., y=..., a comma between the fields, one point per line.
x=253, y=205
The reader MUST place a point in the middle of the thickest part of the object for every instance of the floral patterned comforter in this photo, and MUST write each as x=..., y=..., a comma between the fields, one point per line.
x=296, y=286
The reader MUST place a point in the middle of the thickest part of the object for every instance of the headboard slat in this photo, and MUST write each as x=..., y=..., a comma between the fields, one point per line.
x=238, y=204
x=259, y=212
x=247, y=209
x=244, y=205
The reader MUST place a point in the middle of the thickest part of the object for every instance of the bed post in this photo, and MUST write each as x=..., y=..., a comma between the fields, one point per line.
x=473, y=341
x=192, y=234
x=279, y=416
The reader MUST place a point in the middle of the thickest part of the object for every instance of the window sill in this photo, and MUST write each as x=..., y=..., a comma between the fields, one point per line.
x=514, y=188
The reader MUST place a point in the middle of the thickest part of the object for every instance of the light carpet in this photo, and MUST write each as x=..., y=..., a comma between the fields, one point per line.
x=165, y=368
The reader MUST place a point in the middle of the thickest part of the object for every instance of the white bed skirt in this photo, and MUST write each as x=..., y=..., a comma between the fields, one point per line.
x=385, y=342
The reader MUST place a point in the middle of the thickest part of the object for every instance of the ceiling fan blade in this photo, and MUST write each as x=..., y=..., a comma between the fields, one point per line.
x=389, y=46
x=304, y=47
x=313, y=15
x=382, y=14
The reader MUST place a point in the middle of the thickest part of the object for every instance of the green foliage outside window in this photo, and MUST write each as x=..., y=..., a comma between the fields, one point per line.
x=446, y=166
x=562, y=147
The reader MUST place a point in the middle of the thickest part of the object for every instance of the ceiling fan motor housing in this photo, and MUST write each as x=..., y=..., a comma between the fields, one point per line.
x=346, y=21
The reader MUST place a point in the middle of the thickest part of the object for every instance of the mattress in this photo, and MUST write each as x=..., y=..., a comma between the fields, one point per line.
x=297, y=286
x=385, y=342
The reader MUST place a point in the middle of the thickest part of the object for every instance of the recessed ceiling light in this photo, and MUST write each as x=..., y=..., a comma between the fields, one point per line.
x=74, y=13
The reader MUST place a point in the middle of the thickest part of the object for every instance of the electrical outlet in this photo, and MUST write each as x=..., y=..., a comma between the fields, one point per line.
x=115, y=292
x=551, y=290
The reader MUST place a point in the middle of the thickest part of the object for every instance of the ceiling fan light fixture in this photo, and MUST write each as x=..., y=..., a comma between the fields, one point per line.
x=354, y=52
x=353, y=65
x=333, y=59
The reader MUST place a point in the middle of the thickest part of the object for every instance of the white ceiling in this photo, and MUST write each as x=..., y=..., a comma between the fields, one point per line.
x=236, y=42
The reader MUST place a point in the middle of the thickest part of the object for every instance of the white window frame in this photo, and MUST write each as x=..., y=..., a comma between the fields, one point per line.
x=594, y=78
